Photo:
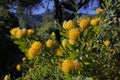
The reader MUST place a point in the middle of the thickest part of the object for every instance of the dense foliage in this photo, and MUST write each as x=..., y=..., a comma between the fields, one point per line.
x=88, y=48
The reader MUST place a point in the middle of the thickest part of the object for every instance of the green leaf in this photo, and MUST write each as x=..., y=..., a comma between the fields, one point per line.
x=97, y=29
x=22, y=45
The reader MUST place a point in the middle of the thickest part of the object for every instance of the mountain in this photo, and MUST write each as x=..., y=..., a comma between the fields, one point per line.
x=34, y=20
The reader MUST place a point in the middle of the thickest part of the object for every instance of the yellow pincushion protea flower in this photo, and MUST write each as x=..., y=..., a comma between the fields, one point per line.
x=67, y=66
x=72, y=41
x=49, y=43
x=7, y=77
x=64, y=42
x=37, y=45
x=24, y=31
x=24, y=59
x=99, y=11
x=13, y=31
x=18, y=67
x=111, y=50
x=20, y=33
x=32, y=53
x=68, y=24
x=52, y=34
x=30, y=32
x=95, y=21
x=106, y=42
x=73, y=33
x=59, y=52
x=84, y=23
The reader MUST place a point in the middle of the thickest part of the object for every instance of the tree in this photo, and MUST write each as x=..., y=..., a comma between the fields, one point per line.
x=11, y=55
x=70, y=5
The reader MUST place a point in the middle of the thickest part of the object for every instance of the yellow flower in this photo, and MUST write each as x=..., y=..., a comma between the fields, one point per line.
x=72, y=41
x=24, y=31
x=30, y=32
x=73, y=33
x=67, y=65
x=32, y=53
x=52, y=34
x=13, y=31
x=106, y=42
x=68, y=24
x=7, y=77
x=77, y=65
x=95, y=21
x=24, y=59
x=59, y=52
x=36, y=45
x=64, y=42
x=18, y=67
x=111, y=50
x=84, y=23
x=19, y=33
x=99, y=11
x=49, y=43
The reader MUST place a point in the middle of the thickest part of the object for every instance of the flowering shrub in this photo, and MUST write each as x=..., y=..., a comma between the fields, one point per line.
x=89, y=49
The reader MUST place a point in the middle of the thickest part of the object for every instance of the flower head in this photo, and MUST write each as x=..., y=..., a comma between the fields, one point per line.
x=84, y=23
x=32, y=53
x=64, y=42
x=20, y=33
x=106, y=42
x=95, y=21
x=52, y=34
x=99, y=11
x=49, y=43
x=67, y=65
x=36, y=45
x=24, y=59
x=68, y=24
x=73, y=33
x=111, y=50
x=59, y=52
x=18, y=67
x=24, y=31
x=72, y=41
x=30, y=32
x=7, y=77
x=13, y=31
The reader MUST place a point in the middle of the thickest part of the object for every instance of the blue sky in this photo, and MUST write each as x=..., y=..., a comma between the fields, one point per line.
x=42, y=10
x=90, y=9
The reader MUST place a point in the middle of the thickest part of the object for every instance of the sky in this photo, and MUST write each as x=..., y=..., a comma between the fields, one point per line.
x=42, y=10
x=89, y=10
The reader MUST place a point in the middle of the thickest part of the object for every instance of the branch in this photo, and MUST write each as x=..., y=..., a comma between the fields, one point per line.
x=82, y=3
